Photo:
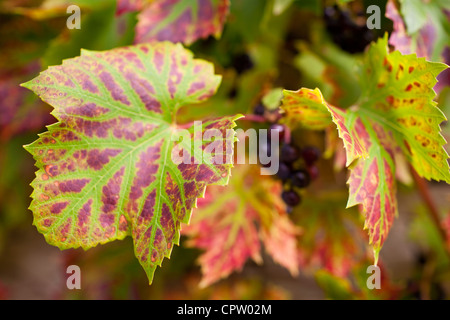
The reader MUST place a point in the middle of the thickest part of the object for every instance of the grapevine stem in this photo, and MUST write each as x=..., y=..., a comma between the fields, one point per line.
x=431, y=206
x=254, y=118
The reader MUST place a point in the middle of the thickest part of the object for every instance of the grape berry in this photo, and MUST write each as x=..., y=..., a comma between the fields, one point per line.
x=259, y=109
x=297, y=167
x=290, y=197
x=345, y=31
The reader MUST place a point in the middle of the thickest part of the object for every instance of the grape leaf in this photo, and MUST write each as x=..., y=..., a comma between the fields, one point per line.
x=20, y=110
x=124, y=6
x=424, y=31
x=229, y=238
x=227, y=222
x=105, y=169
x=305, y=108
x=399, y=38
x=332, y=240
x=427, y=37
x=308, y=108
x=181, y=21
x=395, y=114
x=280, y=241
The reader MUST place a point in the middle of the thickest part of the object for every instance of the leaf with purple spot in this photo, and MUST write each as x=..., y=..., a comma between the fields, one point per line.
x=181, y=20
x=106, y=169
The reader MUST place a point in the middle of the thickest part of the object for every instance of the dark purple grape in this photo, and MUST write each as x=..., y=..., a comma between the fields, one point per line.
x=284, y=171
x=300, y=179
x=290, y=197
x=242, y=62
x=277, y=129
x=310, y=154
x=259, y=109
x=289, y=153
x=330, y=13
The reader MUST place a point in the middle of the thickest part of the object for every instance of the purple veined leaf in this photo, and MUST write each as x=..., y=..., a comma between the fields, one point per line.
x=106, y=169
x=399, y=38
x=181, y=20
x=307, y=108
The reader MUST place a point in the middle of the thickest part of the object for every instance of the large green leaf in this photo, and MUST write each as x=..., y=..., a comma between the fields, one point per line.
x=395, y=116
x=106, y=169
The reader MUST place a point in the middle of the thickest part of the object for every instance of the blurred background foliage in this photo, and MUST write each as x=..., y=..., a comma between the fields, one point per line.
x=265, y=45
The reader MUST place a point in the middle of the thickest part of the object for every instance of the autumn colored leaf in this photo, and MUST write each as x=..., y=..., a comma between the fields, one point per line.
x=332, y=240
x=229, y=238
x=397, y=90
x=280, y=241
x=23, y=41
x=419, y=27
x=181, y=20
x=423, y=30
x=230, y=223
x=20, y=111
x=395, y=114
x=124, y=6
x=106, y=169
x=307, y=108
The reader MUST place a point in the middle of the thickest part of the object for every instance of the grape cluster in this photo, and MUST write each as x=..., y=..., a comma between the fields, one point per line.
x=297, y=166
x=351, y=36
